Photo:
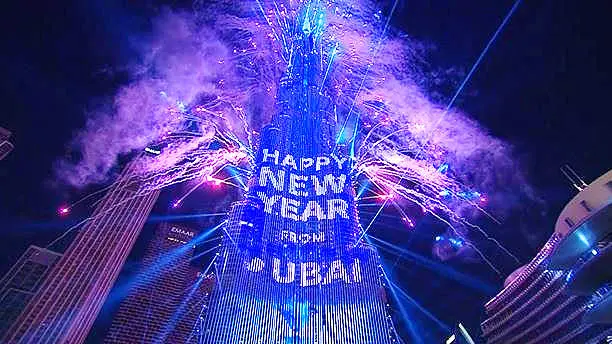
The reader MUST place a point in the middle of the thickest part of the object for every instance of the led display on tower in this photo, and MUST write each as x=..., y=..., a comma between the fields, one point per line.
x=292, y=268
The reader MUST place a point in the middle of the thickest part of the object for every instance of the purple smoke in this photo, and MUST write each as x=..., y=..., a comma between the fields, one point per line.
x=223, y=62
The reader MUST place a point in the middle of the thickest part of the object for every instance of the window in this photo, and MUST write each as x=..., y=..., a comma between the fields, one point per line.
x=586, y=206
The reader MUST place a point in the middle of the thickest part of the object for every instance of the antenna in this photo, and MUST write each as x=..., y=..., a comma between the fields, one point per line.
x=576, y=175
x=573, y=178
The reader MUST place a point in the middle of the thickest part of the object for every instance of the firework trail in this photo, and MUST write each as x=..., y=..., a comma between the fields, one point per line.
x=208, y=81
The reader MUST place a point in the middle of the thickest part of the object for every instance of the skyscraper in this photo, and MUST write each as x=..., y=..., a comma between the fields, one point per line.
x=560, y=296
x=159, y=307
x=586, y=248
x=292, y=268
x=22, y=282
x=67, y=304
x=5, y=146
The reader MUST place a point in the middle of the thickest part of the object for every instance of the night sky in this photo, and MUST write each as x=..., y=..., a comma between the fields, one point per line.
x=545, y=87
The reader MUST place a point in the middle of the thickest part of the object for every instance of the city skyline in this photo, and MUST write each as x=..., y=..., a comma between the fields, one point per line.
x=558, y=94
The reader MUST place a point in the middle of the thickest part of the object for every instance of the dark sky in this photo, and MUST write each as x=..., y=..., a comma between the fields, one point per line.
x=545, y=87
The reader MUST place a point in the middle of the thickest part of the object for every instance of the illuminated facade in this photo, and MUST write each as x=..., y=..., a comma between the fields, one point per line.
x=292, y=268
x=560, y=296
x=22, y=282
x=68, y=302
x=5, y=145
x=157, y=308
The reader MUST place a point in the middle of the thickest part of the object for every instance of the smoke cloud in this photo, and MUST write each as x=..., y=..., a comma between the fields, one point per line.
x=223, y=63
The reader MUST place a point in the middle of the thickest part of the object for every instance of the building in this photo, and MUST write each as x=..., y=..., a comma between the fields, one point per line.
x=292, y=267
x=159, y=306
x=585, y=251
x=563, y=294
x=69, y=300
x=22, y=282
x=5, y=145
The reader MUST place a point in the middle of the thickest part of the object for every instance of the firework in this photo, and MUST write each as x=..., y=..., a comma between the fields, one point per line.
x=209, y=81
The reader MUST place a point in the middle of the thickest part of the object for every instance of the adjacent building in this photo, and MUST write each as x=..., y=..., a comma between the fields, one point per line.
x=585, y=250
x=165, y=297
x=67, y=303
x=5, y=145
x=22, y=282
x=564, y=294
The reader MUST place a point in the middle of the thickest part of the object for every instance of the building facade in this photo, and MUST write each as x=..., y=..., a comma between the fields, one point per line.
x=22, y=282
x=586, y=248
x=5, y=145
x=69, y=300
x=551, y=299
x=159, y=306
x=292, y=267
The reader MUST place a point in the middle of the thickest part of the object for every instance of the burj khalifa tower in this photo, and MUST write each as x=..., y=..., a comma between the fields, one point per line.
x=292, y=267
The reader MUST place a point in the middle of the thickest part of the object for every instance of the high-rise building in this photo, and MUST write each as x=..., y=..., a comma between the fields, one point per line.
x=5, y=145
x=68, y=302
x=586, y=248
x=292, y=267
x=165, y=297
x=563, y=294
x=22, y=282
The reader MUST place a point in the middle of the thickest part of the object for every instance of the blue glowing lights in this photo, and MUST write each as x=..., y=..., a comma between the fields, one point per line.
x=291, y=268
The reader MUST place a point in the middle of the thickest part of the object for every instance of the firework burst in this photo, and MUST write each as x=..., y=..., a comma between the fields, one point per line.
x=208, y=82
